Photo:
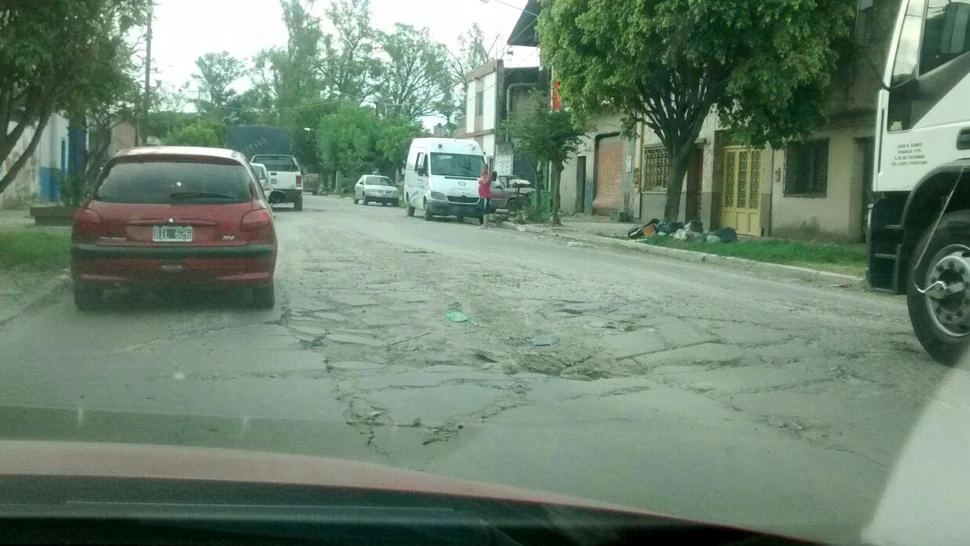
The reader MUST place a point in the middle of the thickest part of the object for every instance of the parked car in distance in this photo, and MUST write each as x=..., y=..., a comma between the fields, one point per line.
x=263, y=176
x=372, y=188
x=285, y=178
x=172, y=216
x=510, y=193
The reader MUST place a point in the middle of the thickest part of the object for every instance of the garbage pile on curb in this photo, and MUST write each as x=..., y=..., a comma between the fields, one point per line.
x=692, y=231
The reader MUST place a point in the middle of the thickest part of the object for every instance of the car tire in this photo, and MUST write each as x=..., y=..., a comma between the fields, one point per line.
x=427, y=213
x=298, y=203
x=365, y=201
x=356, y=201
x=512, y=206
x=264, y=297
x=951, y=236
x=88, y=299
x=409, y=210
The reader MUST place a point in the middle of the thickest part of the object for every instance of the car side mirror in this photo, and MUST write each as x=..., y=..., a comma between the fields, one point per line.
x=863, y=23
x=956, y=24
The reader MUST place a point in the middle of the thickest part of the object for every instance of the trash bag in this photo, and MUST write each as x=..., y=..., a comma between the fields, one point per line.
x=713, y=239
x=695, y=226
x=680, y=234
x=635, y=232
x=694, y=236
x=649, y=230
x=669, y=227
x=727, y=235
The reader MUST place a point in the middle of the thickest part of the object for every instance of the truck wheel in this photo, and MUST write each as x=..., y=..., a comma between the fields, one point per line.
x=298, y=204
x=408, y=208
x=427, y=213
x=941, y=316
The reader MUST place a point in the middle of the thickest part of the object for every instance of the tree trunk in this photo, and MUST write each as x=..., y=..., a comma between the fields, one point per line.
x=554, y=179
x=10, y=175
x=679, y=154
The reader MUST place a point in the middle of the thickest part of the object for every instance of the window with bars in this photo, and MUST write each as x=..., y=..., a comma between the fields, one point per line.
x=807, y=169
x=656, y=169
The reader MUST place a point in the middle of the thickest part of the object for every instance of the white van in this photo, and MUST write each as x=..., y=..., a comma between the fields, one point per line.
x=441, y=178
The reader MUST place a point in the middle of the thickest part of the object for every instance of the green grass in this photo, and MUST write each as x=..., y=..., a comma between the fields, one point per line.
x=34, y=250
x=847, y=259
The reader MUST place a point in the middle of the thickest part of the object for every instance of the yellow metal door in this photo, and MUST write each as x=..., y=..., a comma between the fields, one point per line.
x=742, y=187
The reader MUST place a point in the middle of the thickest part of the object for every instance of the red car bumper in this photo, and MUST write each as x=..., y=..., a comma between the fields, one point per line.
x=189, y=267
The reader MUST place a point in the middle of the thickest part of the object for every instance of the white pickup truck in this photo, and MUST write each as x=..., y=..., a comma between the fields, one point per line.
x=285, y=179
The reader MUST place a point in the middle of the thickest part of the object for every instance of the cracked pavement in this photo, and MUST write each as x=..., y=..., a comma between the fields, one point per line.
x=686, y=388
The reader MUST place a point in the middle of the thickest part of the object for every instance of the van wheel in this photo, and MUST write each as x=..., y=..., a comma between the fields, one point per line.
x=461, y=219
x=298, y=204
x=409, y=210
x=427, y=212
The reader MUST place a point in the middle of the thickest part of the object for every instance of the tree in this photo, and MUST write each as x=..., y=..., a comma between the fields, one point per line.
x=548, y=136
x=286, y=78
x=415, y=79
x=762, y=66
x=393, y=140
x=59, y=57
x=199, y=133
x=346, y=139
x=217, y=72
x=351, y=65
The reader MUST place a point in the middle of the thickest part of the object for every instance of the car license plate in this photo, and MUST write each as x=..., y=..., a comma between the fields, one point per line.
x=172, y=234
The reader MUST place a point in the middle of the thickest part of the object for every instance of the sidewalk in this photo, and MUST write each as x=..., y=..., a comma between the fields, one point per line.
x=594, y=232
x=15, y=219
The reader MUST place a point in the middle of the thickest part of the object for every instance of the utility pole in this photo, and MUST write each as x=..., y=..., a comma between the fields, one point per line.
x=141, y=135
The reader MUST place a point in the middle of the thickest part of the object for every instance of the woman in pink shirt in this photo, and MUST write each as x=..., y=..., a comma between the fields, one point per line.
x=485, y=193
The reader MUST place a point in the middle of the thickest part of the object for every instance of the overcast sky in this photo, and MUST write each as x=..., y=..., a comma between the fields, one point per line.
x=185, y=29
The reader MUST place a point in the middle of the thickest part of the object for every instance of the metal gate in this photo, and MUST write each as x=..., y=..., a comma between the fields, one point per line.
x=741, y=177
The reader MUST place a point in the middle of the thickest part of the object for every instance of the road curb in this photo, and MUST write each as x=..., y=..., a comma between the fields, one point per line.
x=790, y=271
x=37, y=297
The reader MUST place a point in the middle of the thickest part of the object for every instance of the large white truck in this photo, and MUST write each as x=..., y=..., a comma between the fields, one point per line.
x=919, y=222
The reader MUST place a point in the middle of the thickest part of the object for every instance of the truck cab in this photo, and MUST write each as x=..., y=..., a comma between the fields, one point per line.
x=919, y=222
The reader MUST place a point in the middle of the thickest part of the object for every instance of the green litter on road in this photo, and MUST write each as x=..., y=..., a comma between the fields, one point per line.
x=456, y=316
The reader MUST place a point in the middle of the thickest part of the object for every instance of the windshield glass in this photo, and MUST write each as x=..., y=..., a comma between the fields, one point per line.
x=378, y=181
x=277, y=163
x=184, y=179
x=261, y=172
x=456, y=165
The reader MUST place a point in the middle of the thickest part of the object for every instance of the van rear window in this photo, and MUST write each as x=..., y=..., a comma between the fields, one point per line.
x=173, y=179
x=277, y=163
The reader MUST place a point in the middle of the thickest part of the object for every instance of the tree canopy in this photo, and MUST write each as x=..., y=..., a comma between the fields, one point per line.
x=764, y=67
x=60, y=57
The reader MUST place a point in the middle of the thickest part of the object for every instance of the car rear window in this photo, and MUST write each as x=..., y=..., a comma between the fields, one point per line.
x=277, y=163
x=379, y=181
x=174, y=179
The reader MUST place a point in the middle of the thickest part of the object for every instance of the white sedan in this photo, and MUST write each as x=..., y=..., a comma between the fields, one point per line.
x=372, y=188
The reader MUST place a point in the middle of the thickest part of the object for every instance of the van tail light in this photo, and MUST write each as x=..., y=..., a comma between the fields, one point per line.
x=88, y=226
x=258, y=223
x=299, y=181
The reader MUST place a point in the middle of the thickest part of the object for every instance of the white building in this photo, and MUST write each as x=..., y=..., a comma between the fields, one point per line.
x=37, y=180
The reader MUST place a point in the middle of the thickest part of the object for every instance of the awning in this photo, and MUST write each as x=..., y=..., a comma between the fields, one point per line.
x=524, y=32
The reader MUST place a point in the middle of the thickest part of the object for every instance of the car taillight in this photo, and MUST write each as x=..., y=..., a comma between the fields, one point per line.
x=299, y=181
x=88, y=226
x=257, y=220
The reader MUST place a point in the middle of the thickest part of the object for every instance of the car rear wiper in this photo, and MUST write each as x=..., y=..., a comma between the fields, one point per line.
x=201, y=195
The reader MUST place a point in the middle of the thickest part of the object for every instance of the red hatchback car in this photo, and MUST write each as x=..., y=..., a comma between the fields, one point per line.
x=174, y=217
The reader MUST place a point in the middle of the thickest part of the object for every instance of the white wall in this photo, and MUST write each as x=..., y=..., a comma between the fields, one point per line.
x=489, y=96
x=26, y=187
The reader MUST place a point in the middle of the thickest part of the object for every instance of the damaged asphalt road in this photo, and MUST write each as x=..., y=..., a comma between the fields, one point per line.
x=681, y=387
